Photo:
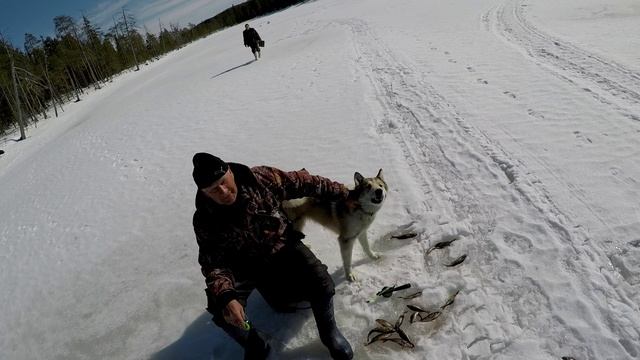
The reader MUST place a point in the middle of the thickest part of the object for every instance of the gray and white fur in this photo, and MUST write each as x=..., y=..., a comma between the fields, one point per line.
x=349, y=221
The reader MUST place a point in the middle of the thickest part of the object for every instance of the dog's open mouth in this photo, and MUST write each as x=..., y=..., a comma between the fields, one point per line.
x=376, y=200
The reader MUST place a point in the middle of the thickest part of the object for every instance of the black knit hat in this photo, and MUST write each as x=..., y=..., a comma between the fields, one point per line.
x=208, y=169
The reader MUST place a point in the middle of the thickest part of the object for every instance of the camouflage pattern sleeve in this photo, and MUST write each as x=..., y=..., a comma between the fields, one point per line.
x=298, y=184
x=219, y=279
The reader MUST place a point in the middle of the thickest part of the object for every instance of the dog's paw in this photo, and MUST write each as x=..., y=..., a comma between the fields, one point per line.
x=351, y=277
x=375, y=256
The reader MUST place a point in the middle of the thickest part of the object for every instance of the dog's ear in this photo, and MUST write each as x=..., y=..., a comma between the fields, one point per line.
x=379, y=176
x=358, y=178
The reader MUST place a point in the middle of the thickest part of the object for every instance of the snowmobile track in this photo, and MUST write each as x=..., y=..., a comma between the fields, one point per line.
x=605, y=80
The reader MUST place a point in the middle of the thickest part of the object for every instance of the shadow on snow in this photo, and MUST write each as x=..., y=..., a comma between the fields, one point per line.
x=233, y=68
x=203, y=340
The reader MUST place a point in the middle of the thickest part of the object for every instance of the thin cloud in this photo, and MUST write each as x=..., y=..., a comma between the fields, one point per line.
x=149, y=12
x=187, y=10
x=104, y=11
x=160, y=6
x=182, y=12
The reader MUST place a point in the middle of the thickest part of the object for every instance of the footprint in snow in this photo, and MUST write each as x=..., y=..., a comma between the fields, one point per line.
x=535, y=114
x=582, y=137
x=519, y=243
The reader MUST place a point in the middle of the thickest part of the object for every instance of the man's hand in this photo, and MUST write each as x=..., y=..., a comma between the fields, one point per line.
x=234, y=314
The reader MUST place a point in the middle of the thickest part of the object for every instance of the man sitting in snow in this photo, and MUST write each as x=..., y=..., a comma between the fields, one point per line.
x=251, y=39
x=247, y=243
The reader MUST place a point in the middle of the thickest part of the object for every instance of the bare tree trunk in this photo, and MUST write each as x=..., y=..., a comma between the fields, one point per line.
x=164, y=49
x=30, y=95
x=75, y=78
x=101, y=73
x=43, y=109
x=126, y=26
x=53, y=94
x=73, y=84
x=31, y=111
x=23, y=135
x=68, y=96
x=86, y=61
x=92, y=74
x=81, y=74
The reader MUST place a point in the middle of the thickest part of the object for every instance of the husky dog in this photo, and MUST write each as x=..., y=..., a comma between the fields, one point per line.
x=349, y=218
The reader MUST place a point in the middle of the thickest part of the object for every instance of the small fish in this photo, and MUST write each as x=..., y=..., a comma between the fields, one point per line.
x=450, y=300
x=381, y=336
x=430, y=316
x=385, y=289
x=380, y=330
x=385, y=332
x=400, y=342
x=403, y=336
x=444, y=244
x=411, y=296
x=416, y=308
x=404, y=236
x=385, y=324
x=399, y=322
x=388, y=291
x=457, y=261
x=441, y=245
x=413, y=316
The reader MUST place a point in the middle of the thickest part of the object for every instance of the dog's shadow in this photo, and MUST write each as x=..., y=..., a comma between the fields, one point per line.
x=204, y=340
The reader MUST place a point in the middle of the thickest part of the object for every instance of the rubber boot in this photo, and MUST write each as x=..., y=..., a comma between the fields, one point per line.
x=331, y=337
x=254, y=347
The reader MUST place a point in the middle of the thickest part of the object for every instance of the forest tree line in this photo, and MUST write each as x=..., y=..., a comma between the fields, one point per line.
x=51, y=71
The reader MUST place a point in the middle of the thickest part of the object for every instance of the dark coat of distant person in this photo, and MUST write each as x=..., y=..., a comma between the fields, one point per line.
x=251, y=37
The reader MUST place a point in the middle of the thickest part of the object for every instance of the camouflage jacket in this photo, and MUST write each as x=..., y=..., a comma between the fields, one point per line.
x=236, y=240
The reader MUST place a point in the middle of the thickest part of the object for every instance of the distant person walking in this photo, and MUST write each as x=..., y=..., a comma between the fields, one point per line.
x=252, y=40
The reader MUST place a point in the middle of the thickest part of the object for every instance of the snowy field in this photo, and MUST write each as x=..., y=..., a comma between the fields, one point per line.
x=513, y=125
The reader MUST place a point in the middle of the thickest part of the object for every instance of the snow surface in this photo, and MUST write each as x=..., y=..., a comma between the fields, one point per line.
x=512, y=124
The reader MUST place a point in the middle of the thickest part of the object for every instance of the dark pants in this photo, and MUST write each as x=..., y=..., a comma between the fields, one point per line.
x=291, y=275
x=254, y=47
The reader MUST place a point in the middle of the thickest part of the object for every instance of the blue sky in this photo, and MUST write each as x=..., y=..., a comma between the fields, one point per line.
x=18, y=17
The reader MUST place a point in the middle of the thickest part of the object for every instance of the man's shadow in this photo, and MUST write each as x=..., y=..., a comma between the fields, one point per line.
x=233, y=68
x=203, y=340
